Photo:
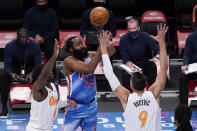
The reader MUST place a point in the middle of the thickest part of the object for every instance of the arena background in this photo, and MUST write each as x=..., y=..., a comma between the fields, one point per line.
x=179, y=18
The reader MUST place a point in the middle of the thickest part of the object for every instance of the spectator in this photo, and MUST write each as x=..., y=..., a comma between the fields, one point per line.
x=189, y=57
x=21, y=56
x=136, y=47
x=42, y=22
x=182, y=118
x=86, y=25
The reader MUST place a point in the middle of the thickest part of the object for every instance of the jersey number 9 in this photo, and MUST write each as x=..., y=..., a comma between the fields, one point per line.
x=142, y=117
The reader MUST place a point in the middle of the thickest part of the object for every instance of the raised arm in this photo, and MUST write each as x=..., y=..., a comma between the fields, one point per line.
x=72, y=64
x=160, y=81
x=46, y=71
x=121, y=92
x=80, y=66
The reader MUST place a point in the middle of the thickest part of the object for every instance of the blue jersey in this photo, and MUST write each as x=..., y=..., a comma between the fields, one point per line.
x=82, y=89
x=81, y=86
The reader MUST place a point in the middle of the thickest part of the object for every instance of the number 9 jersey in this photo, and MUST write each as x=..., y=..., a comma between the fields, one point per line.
x=142, y=113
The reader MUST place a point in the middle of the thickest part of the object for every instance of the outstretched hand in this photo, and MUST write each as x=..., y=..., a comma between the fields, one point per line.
x=56, y=48
x=161, y=32
x=104, y=40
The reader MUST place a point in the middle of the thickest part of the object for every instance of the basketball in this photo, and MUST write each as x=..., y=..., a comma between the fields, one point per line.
x=99, y=16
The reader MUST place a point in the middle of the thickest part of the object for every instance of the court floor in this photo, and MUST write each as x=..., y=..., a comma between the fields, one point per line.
x=110, y=116
x=107, y=121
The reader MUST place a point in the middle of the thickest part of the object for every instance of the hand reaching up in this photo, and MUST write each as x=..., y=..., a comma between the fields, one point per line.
x=161, y=32
x=56, y=48
x=104, y=40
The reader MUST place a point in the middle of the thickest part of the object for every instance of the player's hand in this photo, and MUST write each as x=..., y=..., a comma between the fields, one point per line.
x=161, y=32
x=104, y=40
x=72, y=103
x=56, y=48
x=184, y=69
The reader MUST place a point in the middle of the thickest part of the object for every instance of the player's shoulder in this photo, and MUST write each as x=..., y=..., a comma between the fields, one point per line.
x=69, y=60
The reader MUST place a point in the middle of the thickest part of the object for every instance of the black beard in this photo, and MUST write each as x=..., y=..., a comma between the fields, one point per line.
x=80, y=54
x=22, y=44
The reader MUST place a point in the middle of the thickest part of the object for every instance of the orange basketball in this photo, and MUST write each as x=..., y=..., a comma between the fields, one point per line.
x=99, y=16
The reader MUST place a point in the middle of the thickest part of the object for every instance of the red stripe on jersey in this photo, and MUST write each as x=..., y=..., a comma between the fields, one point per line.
x=69, y=85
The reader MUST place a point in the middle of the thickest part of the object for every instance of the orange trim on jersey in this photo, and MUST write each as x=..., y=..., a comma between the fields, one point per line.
x=54, y=113
x=194, y=14
x=52, y=101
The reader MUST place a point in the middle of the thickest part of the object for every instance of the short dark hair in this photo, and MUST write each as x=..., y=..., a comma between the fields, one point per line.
x=183, y=115
x=133, y=18
x=36, y=72
x=138, y=81
x=69, y=43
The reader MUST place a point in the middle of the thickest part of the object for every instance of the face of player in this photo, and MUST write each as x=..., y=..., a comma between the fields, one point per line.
x=78, y=50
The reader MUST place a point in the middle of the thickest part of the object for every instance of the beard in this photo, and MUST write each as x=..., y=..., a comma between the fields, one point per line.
x=22, y=44
x=80, y=54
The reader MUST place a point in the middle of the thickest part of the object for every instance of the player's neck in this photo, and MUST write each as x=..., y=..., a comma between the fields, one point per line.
x=140, y=93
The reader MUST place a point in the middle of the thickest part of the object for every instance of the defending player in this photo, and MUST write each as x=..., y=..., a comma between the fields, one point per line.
x=141, y=110
x=45, y=96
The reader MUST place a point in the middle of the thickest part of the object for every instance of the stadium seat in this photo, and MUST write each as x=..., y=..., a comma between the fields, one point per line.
x=70, y=12
x=20, y=93
x=183, y=10
x=150, y=20
x=192, y=91
x=11, y=14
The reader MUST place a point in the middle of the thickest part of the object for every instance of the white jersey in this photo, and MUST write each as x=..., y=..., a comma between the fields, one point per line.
x=43, y=113
x=142, y=113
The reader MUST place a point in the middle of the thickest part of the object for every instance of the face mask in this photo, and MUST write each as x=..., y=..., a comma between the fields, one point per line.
x=80, y=54
x=134, y=34
x=42, y=7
